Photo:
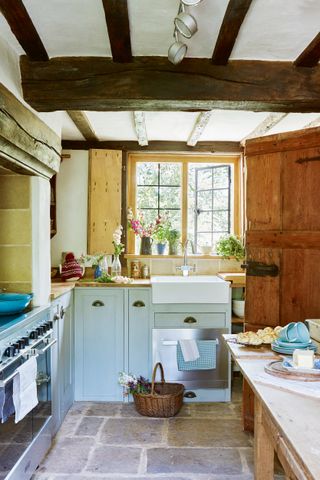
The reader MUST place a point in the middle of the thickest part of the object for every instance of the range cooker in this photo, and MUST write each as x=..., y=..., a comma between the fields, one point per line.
x=23, y=444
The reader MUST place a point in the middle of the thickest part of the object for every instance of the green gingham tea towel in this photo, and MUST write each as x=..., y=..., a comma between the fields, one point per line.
x=206, y=361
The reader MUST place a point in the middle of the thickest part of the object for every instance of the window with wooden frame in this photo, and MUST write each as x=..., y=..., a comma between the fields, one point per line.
x=199, y=193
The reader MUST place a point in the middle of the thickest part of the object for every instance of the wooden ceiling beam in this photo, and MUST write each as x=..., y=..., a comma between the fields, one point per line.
x=154, y=84
x=117, y=18
x=23, y=29
x=155, y=146
x=140, y=126
x=310, y=55
x=264, y=127
x=198, y=128
x=231, y=24
x=82, y=123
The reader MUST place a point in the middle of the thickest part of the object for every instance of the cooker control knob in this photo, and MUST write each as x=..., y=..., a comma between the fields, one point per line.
x=9, y=351
x=33, y=335
x=50, y=323
x=26, y=341
x=21, y=343
x=40, y=330
x=16, y=346
x=45, y=327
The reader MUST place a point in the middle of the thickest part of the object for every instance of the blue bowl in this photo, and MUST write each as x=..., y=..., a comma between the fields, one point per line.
x=11, y=303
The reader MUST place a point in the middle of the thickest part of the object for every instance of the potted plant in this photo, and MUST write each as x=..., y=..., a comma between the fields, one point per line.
x=142, y=230
x=232, y=250
x=160, y=237
x=173, y=236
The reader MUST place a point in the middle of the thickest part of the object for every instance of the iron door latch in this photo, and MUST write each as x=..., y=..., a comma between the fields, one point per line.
x=260, y=269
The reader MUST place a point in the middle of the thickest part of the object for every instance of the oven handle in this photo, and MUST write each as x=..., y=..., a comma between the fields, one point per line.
x=47, y=347
x=4, y=382
x=169, y=343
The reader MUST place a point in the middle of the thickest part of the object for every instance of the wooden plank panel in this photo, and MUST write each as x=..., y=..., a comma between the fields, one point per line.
x=263, y=293
x=300, y=280
x=301, y=190
x=281, y=239
x=105, y=171
x=282, y=142
x=263, y=184
x=153, y=83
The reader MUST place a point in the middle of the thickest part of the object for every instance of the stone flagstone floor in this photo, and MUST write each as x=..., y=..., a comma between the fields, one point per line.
x=111, y=441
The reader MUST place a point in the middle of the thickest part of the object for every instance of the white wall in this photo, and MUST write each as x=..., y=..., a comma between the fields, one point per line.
x=10, y=78
x=72, y=206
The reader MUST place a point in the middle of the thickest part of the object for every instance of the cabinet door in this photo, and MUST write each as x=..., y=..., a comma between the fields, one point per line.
x=140, y=332
x=66, y=360
x=99, y=344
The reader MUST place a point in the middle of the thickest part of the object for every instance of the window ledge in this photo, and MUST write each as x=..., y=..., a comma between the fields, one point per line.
x=195, y=257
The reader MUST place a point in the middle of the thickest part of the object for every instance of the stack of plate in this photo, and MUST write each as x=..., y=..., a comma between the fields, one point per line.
x=288, y=348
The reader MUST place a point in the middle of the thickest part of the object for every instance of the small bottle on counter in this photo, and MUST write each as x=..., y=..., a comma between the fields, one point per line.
x=145, y=271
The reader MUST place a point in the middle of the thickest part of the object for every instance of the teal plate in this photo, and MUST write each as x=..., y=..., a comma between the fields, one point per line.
x=279, y=343
x=289, y=351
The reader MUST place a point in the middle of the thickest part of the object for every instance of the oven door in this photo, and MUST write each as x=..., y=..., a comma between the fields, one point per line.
x=165, y=343
x=23, y=444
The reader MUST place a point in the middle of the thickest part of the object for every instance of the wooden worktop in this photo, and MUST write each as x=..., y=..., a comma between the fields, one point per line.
x=136, y=283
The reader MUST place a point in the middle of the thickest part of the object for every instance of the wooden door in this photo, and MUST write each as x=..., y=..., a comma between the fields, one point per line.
x=283, y=229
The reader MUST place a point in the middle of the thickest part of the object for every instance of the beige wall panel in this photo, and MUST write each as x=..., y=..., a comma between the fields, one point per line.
x=15, y=227
x=14, y=191
x=104, y=212
x=15, y=263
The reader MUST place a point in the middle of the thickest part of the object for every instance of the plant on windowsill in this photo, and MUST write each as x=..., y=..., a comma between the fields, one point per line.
x=141, y=229
x=118, y=249
x=230, y=247
x=173, y=237
x=160, y=234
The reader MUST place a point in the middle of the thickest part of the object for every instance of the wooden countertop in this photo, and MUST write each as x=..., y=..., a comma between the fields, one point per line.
x=293, y=420
x=237, y=279
x=60, y=288
x=242, y=352
x=136, y=283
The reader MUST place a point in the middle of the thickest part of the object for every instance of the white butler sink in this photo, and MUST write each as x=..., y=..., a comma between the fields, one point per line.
x=193, y=289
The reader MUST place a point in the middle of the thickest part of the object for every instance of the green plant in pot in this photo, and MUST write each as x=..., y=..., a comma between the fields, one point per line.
x=173, y=237
x=230, y=246
x=160, y=237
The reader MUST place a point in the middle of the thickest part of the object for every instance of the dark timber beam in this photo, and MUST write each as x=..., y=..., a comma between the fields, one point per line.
x=82, y=123
x=23, y=29
x=155, y=146
x=232, y=21
x=116, y=12
x=153, y=83
x=310, y=55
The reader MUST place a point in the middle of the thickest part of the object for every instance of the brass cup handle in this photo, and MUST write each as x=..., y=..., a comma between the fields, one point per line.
x=97, y=303
x=138, y=303
x=190, y=320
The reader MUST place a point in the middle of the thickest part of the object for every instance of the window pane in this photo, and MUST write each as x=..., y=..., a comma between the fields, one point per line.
x=170, y=174
x=170, y=197
x=149, y=216
x=221, y=177
x=147, y=197
x=205, y=222
x=147, y=173
x=174, y=217
x=204, y=200
x=220, y=199
x=204, y=178
x=220, y=221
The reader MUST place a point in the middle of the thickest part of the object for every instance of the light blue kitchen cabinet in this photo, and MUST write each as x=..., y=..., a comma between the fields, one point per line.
x=139, y=331
x=99, y=343
x=62, y=357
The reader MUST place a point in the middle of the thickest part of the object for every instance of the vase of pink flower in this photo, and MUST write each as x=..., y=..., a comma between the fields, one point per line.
x=143, y=230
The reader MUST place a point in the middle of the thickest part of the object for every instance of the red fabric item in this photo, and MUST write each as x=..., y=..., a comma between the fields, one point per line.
x=71, y=268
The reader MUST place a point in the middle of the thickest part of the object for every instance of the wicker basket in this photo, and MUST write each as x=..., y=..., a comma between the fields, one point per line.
x=165, y=399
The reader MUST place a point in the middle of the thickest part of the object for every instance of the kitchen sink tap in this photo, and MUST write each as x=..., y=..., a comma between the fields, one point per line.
x=185, y=268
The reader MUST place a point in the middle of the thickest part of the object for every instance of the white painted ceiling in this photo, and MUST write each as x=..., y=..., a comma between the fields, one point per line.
x=272, y=30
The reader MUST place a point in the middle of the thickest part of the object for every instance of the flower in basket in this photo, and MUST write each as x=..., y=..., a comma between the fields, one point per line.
x=133, y=384
x=118, y=246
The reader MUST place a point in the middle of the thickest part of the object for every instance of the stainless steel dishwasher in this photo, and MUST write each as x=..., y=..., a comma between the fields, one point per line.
x=165, y=341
